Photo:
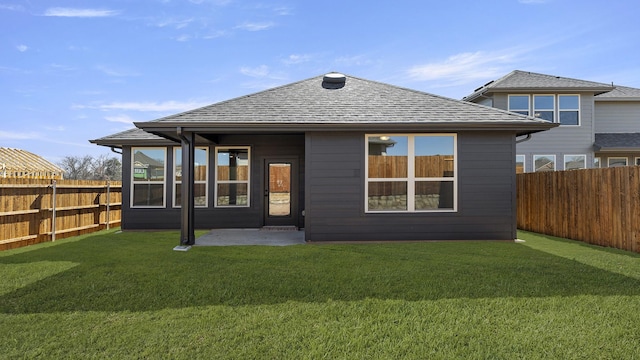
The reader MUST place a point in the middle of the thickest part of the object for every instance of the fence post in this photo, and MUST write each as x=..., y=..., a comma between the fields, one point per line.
x=108, y=202
x=53, y=211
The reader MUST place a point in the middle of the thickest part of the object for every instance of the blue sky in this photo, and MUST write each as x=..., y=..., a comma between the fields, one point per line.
x=71, y=71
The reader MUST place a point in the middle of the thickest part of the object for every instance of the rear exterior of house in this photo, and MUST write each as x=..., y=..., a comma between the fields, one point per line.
x=599, y=124
x=342, y=157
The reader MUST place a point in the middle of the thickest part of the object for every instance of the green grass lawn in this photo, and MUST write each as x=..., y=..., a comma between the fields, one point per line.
x=128, y=295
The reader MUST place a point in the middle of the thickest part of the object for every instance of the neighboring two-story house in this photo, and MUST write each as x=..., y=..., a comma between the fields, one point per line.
x=599, y=123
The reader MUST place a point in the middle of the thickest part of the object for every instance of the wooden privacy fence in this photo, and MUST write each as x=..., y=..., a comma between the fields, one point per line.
x=35, y=211
x=597, y=206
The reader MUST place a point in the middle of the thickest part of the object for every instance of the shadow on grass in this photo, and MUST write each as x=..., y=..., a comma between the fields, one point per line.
x=140, y=272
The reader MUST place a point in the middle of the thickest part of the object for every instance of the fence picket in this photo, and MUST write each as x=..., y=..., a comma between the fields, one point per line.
x=597, y=206
x=27, y=209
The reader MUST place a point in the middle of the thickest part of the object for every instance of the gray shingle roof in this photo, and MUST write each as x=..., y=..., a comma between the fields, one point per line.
x=359, y=101
x=620, y=93
x=518, y=80
x=617, y=141
x=317, y=104
x=130, y=136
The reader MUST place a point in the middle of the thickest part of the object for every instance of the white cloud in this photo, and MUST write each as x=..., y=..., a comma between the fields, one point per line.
x=297, y=59
x=355, y=60
x=258, y=71
x=124, y=119
x=468, y=67
x=22, y=48
x=167, y=106
x=116, y=72
x=183, y=38
x=177, y=24
x=13, y=135
x=255, y=26
x=83, y=13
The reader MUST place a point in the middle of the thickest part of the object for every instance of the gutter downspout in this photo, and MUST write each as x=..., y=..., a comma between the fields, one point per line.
x=523, y=140
x=187, y=204
x=113, y=148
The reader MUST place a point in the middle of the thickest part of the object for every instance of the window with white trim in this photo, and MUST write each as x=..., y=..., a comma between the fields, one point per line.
x=596, y=162
x=520, y=164
x=148, y=169
x=616, y=161
x=544, y=107
x=559, y=108
x=232, y=176
x=544, y=163
x=200, y=171
x=519, y=104
x=569, y=109
x=411, y=173
x=574, y=162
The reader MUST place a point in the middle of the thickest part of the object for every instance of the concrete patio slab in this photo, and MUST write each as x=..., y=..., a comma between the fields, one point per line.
x=243, y=237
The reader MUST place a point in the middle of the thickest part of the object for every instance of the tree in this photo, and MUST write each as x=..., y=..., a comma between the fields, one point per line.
x=87, y=167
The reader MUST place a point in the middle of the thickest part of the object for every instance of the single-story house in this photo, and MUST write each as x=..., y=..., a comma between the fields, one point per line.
x=341, y=157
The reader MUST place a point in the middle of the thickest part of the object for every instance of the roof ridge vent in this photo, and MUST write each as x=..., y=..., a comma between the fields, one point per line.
x=334, y=78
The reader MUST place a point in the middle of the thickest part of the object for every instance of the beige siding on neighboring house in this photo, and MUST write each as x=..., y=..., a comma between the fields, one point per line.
x=617, y=117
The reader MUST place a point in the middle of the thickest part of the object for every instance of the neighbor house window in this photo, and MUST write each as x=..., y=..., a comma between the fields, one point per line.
x=411, y=173
x=574, y=162
x=519, y=104
x=232, y=176
x=200, y=167
x=569, y=109
x=638, y=161
x=617, y=161
x=149, y=174
x=543, y=107
x=596, y=162
x=520, y=164
x=544, y=163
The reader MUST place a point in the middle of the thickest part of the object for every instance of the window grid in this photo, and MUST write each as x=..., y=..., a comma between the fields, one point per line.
x=411, y=180
x=145, y=170
x=218, y=182
x=177, y=158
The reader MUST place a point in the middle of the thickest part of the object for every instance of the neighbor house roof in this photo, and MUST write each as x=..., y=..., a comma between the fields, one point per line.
x=16, y=163
x=525, y=81
x=620, y=93
x=131, y=137
x=338, y=102
x=617, y=142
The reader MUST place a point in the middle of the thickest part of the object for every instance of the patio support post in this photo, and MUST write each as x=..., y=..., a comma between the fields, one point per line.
x=187, y=228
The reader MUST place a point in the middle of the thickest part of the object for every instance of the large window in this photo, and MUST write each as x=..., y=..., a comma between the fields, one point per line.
x=544, y=107
x=574, y=162
x=544, y=163
x=563, y=109
x=411, y=173
x=232, y=176
x=200, y=167
x=519, y=104
x=148, y=177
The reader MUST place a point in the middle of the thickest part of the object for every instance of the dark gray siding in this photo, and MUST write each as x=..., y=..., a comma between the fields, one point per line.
x=262, y=146
x=335, y=193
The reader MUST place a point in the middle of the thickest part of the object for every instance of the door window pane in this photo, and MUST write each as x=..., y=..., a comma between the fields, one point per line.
x=279, y=189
